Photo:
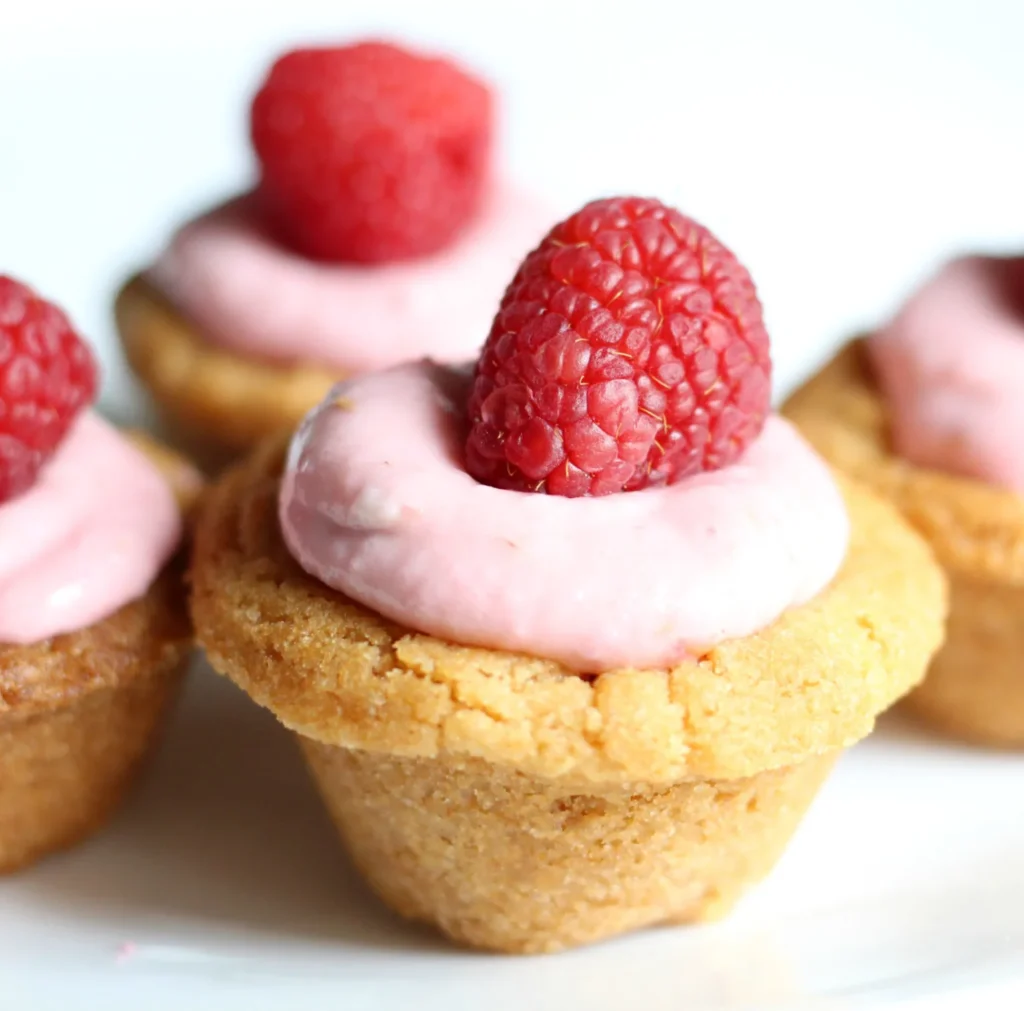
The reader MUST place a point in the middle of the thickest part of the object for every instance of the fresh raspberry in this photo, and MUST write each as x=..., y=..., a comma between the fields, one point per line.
x=47, y=375
x=629, y=351
x=369, y=152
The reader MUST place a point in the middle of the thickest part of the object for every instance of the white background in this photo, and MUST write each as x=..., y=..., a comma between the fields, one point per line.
x=840, y=148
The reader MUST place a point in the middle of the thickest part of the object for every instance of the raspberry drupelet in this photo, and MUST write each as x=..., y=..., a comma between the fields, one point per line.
x=629, y=351
x=370, y=153
x=47, y=375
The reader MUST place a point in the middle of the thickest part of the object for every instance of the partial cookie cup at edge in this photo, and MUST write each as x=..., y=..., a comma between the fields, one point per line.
x=215, y=404
x=80, y=712
x=975, y=687
x=522, y=807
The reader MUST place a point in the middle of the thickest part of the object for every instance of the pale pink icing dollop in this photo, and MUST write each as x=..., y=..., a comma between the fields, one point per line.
x=249, y=294
x=951, y=366
x=375, y=502
x=88, y=537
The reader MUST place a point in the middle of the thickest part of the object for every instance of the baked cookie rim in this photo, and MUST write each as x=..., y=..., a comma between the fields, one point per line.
x=369, y=683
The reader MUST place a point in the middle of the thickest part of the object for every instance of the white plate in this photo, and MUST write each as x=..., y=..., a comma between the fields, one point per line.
x=222, y=885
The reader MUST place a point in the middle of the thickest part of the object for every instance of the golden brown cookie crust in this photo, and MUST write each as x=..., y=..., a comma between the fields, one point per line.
x=218, y=400
x=66, y=768
x=974, y=528
x=516, y=863
x=339, y=674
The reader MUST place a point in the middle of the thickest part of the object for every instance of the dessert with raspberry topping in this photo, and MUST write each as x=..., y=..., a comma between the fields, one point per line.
x=569, y=638
x=93, y=626
x=379, y=230
x=929, y=410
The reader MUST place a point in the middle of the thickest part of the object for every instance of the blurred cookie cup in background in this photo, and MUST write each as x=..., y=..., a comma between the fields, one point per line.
x=929, y=411
x=379, y=210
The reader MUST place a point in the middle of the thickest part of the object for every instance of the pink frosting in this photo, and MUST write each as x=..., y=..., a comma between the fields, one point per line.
x=376, y=503
x=249, y=294
x=88, y=537
x=951, y=365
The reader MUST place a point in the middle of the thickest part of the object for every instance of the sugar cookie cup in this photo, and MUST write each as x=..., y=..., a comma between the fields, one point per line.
x=213, y=402
x=975, y=688
x=379, y=229
x=522, y=807
x=81, y=711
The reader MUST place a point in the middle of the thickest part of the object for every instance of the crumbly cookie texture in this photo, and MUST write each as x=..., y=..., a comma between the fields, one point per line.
x=79, y=712
x=974, y=688
x=501, y=860
x=66, y=769
x=215, y=403
x=336, y=673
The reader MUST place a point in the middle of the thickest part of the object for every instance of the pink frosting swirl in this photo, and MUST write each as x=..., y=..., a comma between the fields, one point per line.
x=88, y=537
x=376, y=503
x=249, y=294
x=951, y=366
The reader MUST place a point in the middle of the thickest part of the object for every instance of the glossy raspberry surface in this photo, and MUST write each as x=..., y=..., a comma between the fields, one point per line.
x=629, y=351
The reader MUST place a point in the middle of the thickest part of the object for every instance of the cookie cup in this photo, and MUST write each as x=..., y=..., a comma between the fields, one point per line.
x=521, y=807
x=80, y=712
x=975, y=687
x=213, y=403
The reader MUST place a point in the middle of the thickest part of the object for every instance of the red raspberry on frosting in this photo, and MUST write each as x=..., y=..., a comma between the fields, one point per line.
x=47, y=375
x=629, y=351
x=370, y=153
